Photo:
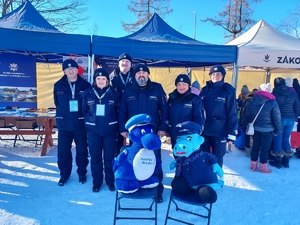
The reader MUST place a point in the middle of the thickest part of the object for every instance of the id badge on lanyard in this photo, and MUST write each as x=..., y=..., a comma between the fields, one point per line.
x=73, y=105
x=100, y=110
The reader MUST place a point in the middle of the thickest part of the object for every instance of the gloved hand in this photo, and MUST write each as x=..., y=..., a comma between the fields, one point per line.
x=221, y=181
x=218, y=170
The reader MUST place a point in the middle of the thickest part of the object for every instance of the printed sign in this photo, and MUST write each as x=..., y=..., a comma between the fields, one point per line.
x=18, y=80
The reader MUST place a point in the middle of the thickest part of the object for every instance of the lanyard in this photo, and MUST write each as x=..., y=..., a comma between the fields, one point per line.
x=100, y=97
x=72, y=89
x=128, y=75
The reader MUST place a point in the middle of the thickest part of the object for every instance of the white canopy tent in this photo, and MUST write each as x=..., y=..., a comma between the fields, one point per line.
x=265, y=47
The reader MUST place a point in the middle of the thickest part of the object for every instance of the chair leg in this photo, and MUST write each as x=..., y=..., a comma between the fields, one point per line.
x=168, y=210
x=209, y=214
x=116, y=208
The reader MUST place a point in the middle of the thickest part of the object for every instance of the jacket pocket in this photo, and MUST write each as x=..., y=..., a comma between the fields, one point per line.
x=217, y=124
x=60, y=122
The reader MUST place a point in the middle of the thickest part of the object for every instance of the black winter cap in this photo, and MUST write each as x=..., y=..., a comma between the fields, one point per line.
x=217, y=68
x=125, y=56
x=141, y=67
x=100, y=72
x=279, y=81
x=69, y=63
x=183, y=78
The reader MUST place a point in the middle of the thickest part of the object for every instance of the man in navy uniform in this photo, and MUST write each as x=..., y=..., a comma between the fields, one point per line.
x=122, y=76
x=145, y=96
x=70, y=122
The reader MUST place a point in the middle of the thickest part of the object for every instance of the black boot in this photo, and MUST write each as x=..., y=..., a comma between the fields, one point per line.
x=286, y=161
x=82, y=179
x=277, y=162
x=206, y=194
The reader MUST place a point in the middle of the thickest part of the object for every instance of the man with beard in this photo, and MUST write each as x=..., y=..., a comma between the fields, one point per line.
x=145, y=96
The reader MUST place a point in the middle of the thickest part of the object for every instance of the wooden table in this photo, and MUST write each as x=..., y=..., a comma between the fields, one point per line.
x=48, y=121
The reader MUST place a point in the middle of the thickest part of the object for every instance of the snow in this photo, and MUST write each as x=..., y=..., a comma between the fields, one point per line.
x=29, y=193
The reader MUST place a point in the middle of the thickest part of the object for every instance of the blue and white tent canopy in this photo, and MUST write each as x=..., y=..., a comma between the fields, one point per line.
x=157, y=30
x=26, y=17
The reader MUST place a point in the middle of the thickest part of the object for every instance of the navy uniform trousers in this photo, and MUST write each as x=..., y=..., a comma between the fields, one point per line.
x=218, y=146
x=99, y=146
x=64, y=153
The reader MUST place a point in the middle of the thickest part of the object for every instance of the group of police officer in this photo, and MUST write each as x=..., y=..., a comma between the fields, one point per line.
x=136, y=94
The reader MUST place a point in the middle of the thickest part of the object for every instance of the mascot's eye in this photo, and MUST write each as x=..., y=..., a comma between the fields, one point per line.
x=143, y=131
x=189, y=138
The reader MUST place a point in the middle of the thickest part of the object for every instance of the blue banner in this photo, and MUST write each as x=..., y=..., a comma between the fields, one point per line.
x=111, y=65
x=18, y=80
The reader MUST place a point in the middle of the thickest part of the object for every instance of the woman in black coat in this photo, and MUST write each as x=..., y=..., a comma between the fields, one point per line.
x=267, y=124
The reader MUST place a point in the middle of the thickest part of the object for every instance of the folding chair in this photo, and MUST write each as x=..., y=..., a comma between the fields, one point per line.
x=149, y=193
x=175, y=198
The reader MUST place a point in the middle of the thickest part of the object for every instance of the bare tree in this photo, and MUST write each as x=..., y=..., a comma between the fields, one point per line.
x=144, y=9
x=235, y=19
x=291, y=23
x=65, y=15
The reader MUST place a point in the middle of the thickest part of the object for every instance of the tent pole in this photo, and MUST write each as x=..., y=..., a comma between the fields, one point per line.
x=91, y=69
x=234, y=78
x=268, y=77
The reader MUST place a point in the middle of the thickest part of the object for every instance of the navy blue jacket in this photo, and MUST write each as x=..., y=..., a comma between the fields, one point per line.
x=197, y=168
x=117, y=83
x=186, y=107
x=106, y=125
x=221, y=110
x=66, y=120
x=288, y=102
x=268, y=119
x=150, y=99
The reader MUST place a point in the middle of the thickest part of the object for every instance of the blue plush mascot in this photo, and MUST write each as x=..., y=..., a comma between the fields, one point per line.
x=136, y=166
x=196, y=171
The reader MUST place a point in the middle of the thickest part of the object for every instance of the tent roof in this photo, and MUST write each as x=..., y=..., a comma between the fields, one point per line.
x=26, y=17
x=158, y=44
x=265, y=46
x=174, y=53
x=49, y=47
x=25, y=31
x=157, y=30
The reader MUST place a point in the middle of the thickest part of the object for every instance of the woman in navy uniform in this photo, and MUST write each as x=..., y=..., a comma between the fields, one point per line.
x=184, y=106
x=100, y=108
x=221, y=123
x=69, y=120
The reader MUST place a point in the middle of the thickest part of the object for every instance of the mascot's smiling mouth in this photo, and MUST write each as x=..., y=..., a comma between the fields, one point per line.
x=180, y=153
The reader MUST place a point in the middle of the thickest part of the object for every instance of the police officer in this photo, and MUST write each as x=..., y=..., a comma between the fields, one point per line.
x=145, y=96
x=100, y=108
x=221, y=123
x=70, y=123
x=122, y=76
x=184, y=106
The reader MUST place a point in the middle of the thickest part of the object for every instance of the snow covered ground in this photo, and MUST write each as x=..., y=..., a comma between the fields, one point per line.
x=29, y=193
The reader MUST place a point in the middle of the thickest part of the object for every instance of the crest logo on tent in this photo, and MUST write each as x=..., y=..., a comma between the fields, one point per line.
x=13, y=67
x=267, y=58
